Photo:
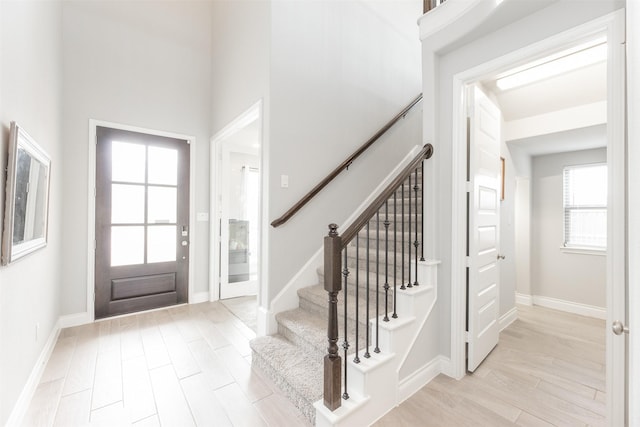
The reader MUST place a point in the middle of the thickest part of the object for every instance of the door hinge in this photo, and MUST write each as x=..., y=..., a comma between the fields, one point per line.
x=466, y=336
x=468, y=186
x=467, y=261
x=95, y=245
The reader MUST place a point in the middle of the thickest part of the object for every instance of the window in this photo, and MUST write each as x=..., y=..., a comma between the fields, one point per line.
x=585, y=206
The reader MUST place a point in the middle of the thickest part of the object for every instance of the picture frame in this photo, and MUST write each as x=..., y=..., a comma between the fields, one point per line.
x=26, y=197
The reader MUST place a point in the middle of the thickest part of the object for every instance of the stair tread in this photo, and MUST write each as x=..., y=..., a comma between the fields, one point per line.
x=299, y=370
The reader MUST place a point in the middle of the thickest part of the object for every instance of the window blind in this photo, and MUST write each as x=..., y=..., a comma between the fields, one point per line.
x=585, y=206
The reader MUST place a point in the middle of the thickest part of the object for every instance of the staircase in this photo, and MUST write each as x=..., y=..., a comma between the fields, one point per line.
x=293, y=358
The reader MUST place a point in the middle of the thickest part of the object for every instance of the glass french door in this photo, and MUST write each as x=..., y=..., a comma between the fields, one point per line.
x=142, y=221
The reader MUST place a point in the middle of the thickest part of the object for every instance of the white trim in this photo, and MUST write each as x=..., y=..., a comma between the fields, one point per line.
x=570, y=307
x=508, y=318
x=77, y=319
x=633, y=159
x=413, y=383
x=91, y=223
x=582, y=251
x=524, y=299
x=198, y=297
x=613, y=25
x=22, y=404
x=287, y=298
x=254, y=112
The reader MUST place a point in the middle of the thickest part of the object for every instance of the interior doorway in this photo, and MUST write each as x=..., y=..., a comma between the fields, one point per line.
x=615, y=143
x=236, y=172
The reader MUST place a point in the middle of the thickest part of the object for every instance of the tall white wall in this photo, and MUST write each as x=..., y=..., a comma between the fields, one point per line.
x=145, y=64
x=576, y=278
x=30, y=88
x=339, y=71
x=438, y=79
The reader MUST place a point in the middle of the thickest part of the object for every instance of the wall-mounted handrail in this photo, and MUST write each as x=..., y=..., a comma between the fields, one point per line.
x=344, y=165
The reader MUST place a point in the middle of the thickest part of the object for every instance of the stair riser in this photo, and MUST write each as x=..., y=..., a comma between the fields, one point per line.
x=321, y=309
x=299, y=401
x=319, y=349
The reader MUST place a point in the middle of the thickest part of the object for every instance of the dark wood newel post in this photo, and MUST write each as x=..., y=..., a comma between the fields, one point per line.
x=332, y=284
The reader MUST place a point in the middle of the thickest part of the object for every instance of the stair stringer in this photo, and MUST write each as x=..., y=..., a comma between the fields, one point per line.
x=374, y=383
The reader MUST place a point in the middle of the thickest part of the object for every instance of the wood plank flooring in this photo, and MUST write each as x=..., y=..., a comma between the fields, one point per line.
x=191, y=365
x=181, y=366
x=547, y=370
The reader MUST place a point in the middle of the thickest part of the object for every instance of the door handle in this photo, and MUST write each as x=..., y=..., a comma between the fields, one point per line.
x=618, y=328
x=501, y=256
x=184, y=243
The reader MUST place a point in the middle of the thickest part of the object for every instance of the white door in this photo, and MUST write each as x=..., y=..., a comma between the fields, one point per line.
x=239, y=222
x=483, y=228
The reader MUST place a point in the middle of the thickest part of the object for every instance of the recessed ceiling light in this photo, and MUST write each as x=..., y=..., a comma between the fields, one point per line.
x=562, y=62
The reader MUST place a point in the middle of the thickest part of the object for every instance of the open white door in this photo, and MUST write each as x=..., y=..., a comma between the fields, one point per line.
x=483, y=227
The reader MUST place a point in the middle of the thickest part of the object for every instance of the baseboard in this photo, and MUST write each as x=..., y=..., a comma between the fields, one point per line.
x=266, y=322
x=29, y=389
x=198, y=297
x=571, y=307
x=420, y=378
x=508, y=318
x=524, y=299
x=71, y=320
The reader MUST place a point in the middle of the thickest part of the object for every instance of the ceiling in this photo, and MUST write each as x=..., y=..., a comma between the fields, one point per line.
x=582, y=86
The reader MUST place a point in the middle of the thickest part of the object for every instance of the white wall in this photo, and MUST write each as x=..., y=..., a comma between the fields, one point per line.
x=570, y=277
x=339, y=71
x=553, y=19
x=30, y=84
x=145, y=64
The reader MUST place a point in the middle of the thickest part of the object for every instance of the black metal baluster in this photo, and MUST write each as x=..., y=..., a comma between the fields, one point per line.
x=402, y=286
x=386, y=261
x=345, y=344
x=395, y=262
x=357, y=359
x=409, y=284
x=415, y=242
x=377, y=349
x=423, y=218
x=366, y=353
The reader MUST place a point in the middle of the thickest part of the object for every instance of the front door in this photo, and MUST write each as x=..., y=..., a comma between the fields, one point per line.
x=142, y=221
x=483, y=271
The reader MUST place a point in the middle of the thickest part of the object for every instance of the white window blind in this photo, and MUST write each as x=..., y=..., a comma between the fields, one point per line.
x=585, y=206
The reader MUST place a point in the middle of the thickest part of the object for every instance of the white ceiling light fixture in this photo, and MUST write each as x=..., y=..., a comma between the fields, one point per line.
x=571, y=59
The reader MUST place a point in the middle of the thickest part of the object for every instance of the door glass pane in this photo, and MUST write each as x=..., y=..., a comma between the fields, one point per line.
x=162, y=205
x=127, y=245
x=161, y=243
x=128, y=162
x=127, y=204
x=163, y=166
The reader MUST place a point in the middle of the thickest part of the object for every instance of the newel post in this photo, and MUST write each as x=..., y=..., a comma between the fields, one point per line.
x=332, y=284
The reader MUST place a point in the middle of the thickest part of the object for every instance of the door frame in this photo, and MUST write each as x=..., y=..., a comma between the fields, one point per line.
x=91, y=208
x=613, y=25
x=255, y=112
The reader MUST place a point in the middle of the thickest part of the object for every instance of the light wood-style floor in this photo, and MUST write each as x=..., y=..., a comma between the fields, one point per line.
x=191, y=365
x=547, y=370
x=183, y=366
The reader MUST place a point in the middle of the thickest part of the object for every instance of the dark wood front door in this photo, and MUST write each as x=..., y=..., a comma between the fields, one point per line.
x=142, y=221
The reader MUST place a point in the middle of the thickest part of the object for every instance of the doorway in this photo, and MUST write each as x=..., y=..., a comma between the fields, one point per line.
x=142, y=221
x=237, y=189
x=612, y=27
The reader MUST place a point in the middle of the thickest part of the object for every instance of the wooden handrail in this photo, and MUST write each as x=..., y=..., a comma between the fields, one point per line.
x=350, y=233
x=344, y=165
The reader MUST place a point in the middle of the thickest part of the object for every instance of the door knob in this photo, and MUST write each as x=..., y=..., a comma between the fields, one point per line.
x=618, y=328
x=500, y=256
